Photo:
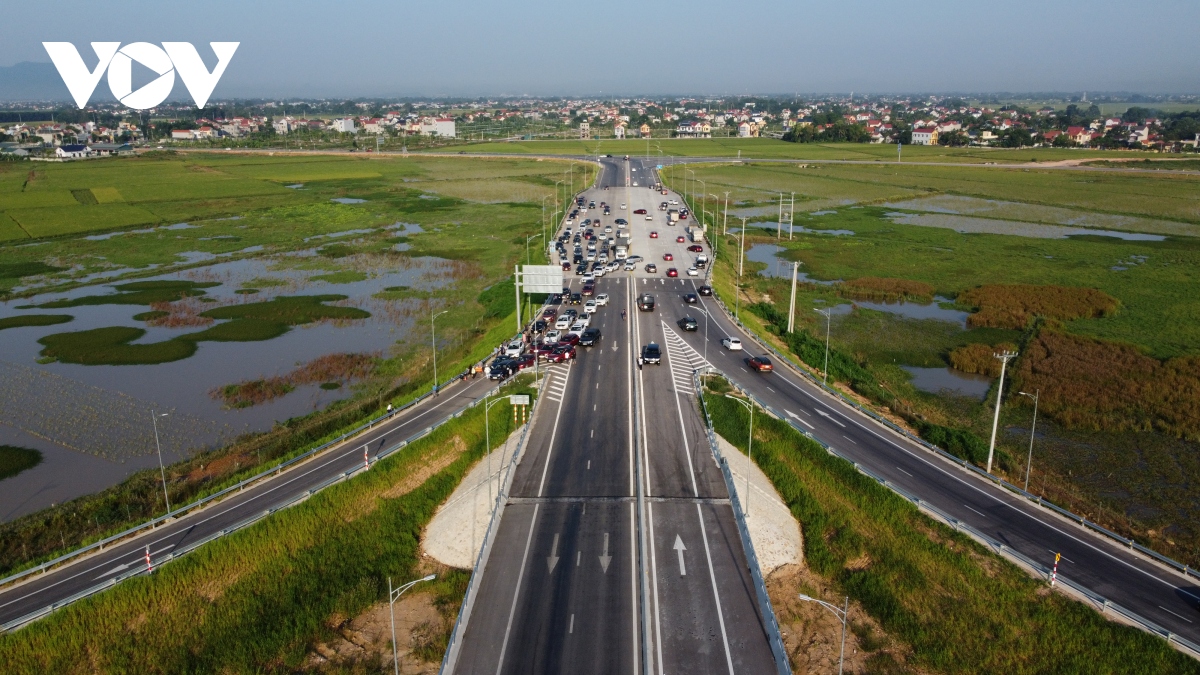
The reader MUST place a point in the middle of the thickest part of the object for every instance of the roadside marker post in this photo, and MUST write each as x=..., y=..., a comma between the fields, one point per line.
x=149, y=565
x=366, y=460
x=1054, y=572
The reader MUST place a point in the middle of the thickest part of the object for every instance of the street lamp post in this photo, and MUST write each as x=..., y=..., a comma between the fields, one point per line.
x=826, y=312
x=686, y=200
x=161, y=470
x=488, y=440
x=433, y=343
x=839, y=612
x=749, y=447
x=737, y=291
x=725, y=222
x=393, y=596
x=1032, y=427
x=1004, y=357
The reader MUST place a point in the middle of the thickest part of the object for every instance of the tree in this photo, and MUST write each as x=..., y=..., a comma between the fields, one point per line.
x=1016, y=137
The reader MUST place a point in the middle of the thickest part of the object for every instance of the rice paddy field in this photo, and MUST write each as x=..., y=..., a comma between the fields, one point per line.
x=1088, y=275
x=283, y=292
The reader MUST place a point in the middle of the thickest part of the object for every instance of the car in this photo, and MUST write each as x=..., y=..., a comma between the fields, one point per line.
x=634, y=259
x=588, y=289
x=732, y=344
x=566, y=266
x=549, y=313
x=577, y=328
x=696, y=248
x=590, y=337
x=630, y=266
x=704, y=290
x=540, y=326
x=561, y=353
x=651, y=268
x=649, y=217
x=760, y=364
x=608, y=229
x=514, y=348
x=581, y=269
x=645, y=302
x=590, y=306
x=571, y=313
x=613, y=266
x=639, y=212
x=576, y=299
x=651, y=354
x=602, y=300
x=524, y=361
x=622, y=207
x=680, y=239
x=693, y=271
x=635, y=185
x=690, y=298
x=563, y=323
x=589, y=278
x=688, y=323
x=672, y=272
x=653, y=234
x=591, y=256
x=502, y=368
x=621, y=221
x=569, y=339
x=668, y=256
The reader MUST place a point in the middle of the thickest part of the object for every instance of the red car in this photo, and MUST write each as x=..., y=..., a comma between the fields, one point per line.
x=545, y=349
x=760, y=363
x=653, y=234
x=570, y=339
x=672, y=272
x=640, y=212
x=680, y=239
x=668, y=256
x=524, y=361
x=549, y=313
x=561, y=354
x=696, y=248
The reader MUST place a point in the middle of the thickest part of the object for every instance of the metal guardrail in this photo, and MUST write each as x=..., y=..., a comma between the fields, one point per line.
x=296, y=499
x=1038, y=569
x=774, y=636
x=237, y=487
x=450, y=657
x=1186, y=570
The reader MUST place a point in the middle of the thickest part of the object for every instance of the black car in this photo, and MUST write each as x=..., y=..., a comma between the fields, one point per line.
x=691, y=298
x=502, y=368
x=688, y=323
x=590, y=337
x=622, y=221
x=651, y=354
x=704, y=290
x=576, y=299
x=539, y=326
x=582, y=269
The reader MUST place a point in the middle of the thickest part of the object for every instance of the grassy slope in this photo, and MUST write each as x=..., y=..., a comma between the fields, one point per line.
x=961, y=609
x=256, y=600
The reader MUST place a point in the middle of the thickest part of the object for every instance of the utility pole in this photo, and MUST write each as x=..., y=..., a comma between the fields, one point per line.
x=725, y=223
x=737, y=291
x=433, y=341
x=792, y=304
x=779, y=224
x=792, y=216
x=1004, y=357
x=826, y=312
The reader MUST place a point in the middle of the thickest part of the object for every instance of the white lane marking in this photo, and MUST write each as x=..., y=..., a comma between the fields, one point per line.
x=831, y=418
x=980, y=513
x=553, y=433
x=1063, y=557
x=654, y=576
x=904, y=472
x=849, y=439
x=516, y=593
x=571, y=629
x=797, y=418
x=1178, y=615
x=717, y=596
x=680, y=548
x=633, y=599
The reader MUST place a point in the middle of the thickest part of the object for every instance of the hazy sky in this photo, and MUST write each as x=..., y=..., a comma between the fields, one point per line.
x=478, y=47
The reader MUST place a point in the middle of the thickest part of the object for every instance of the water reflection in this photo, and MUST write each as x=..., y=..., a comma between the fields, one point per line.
x=938, y=380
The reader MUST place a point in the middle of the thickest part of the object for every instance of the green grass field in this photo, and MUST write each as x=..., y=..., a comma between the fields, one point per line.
x=767, y=148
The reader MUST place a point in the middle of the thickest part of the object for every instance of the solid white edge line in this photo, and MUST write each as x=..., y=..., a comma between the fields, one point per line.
x=517, y=593
x=713, y=577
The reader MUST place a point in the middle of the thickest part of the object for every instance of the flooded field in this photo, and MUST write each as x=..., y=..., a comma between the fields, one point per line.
x=939, y=380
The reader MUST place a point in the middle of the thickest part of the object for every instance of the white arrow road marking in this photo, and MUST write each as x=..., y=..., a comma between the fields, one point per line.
x=680, y=548
x=797, y=418
x=831, y=418
x=552, y=560
x=114, y=570
x=605, y=559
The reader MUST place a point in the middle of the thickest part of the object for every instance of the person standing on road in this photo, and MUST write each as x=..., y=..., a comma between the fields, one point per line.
x=389, y=409
x=639, y=363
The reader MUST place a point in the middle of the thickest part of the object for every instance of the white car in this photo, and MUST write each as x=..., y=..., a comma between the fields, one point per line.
x=612, y=266
x=620, y=226
x=692, y=272
x=589, y=306
x=563, y=323
x=514, y=349
x=601, y=300
x=577, y=328
x=673, y=202
x=650, y=217
x=630, y=266
x=589, y=277
x=635, y=185
x=732, y=344
x=551, y=337
x=599, y=272
x=608, y=229
x=622, y=206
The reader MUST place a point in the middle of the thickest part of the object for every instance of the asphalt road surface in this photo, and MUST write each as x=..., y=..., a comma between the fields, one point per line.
x=560, y=592
x=42, y=590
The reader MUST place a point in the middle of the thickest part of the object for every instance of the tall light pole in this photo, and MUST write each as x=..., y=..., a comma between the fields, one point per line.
x=433, y=343
x=556, y=221
x=393, y=596
x=725, y=223
x=685, y=187
x=792, y=303
x=703, y=201
x=840, y=613
x=826, y=312
x=1032, y=427
x=749, y=447
x=161, y=470
x=488, y=440
x=1004, y=357
x=737, y=290
x=792, y=216
x=713, y=238
x=779, y=224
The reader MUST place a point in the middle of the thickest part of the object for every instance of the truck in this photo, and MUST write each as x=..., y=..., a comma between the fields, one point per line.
x=622, y=252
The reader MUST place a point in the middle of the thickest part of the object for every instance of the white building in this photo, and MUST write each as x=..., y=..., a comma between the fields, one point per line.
x=343, y=126
x=72, y=152
x=924, y=136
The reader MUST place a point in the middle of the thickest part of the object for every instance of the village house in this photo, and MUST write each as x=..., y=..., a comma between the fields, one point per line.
x=66, y=152
x=925, y=136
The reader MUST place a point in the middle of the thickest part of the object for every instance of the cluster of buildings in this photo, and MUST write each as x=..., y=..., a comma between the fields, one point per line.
x=393, y=121
x=207, y=129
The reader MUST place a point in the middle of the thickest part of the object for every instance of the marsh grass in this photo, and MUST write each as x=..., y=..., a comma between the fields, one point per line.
x=23, y=320
x=960, y=608
x=14, y=460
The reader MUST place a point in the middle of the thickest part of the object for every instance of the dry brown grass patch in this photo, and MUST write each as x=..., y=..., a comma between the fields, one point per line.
x=886, y=290
x=1015, y=305
x=979, y=358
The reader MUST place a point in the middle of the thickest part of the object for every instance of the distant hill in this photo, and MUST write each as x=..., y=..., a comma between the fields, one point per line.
x=30, y=81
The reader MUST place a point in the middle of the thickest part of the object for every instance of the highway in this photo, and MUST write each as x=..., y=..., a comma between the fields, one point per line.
x=1100, y=564
x=41, y=590
x=560, y=591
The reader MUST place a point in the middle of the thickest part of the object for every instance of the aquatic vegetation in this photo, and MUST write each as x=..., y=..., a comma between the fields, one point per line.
x=14, y=460
x=135, y=293
x=24, y=320
x=330, y=370
x=1015, y=305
